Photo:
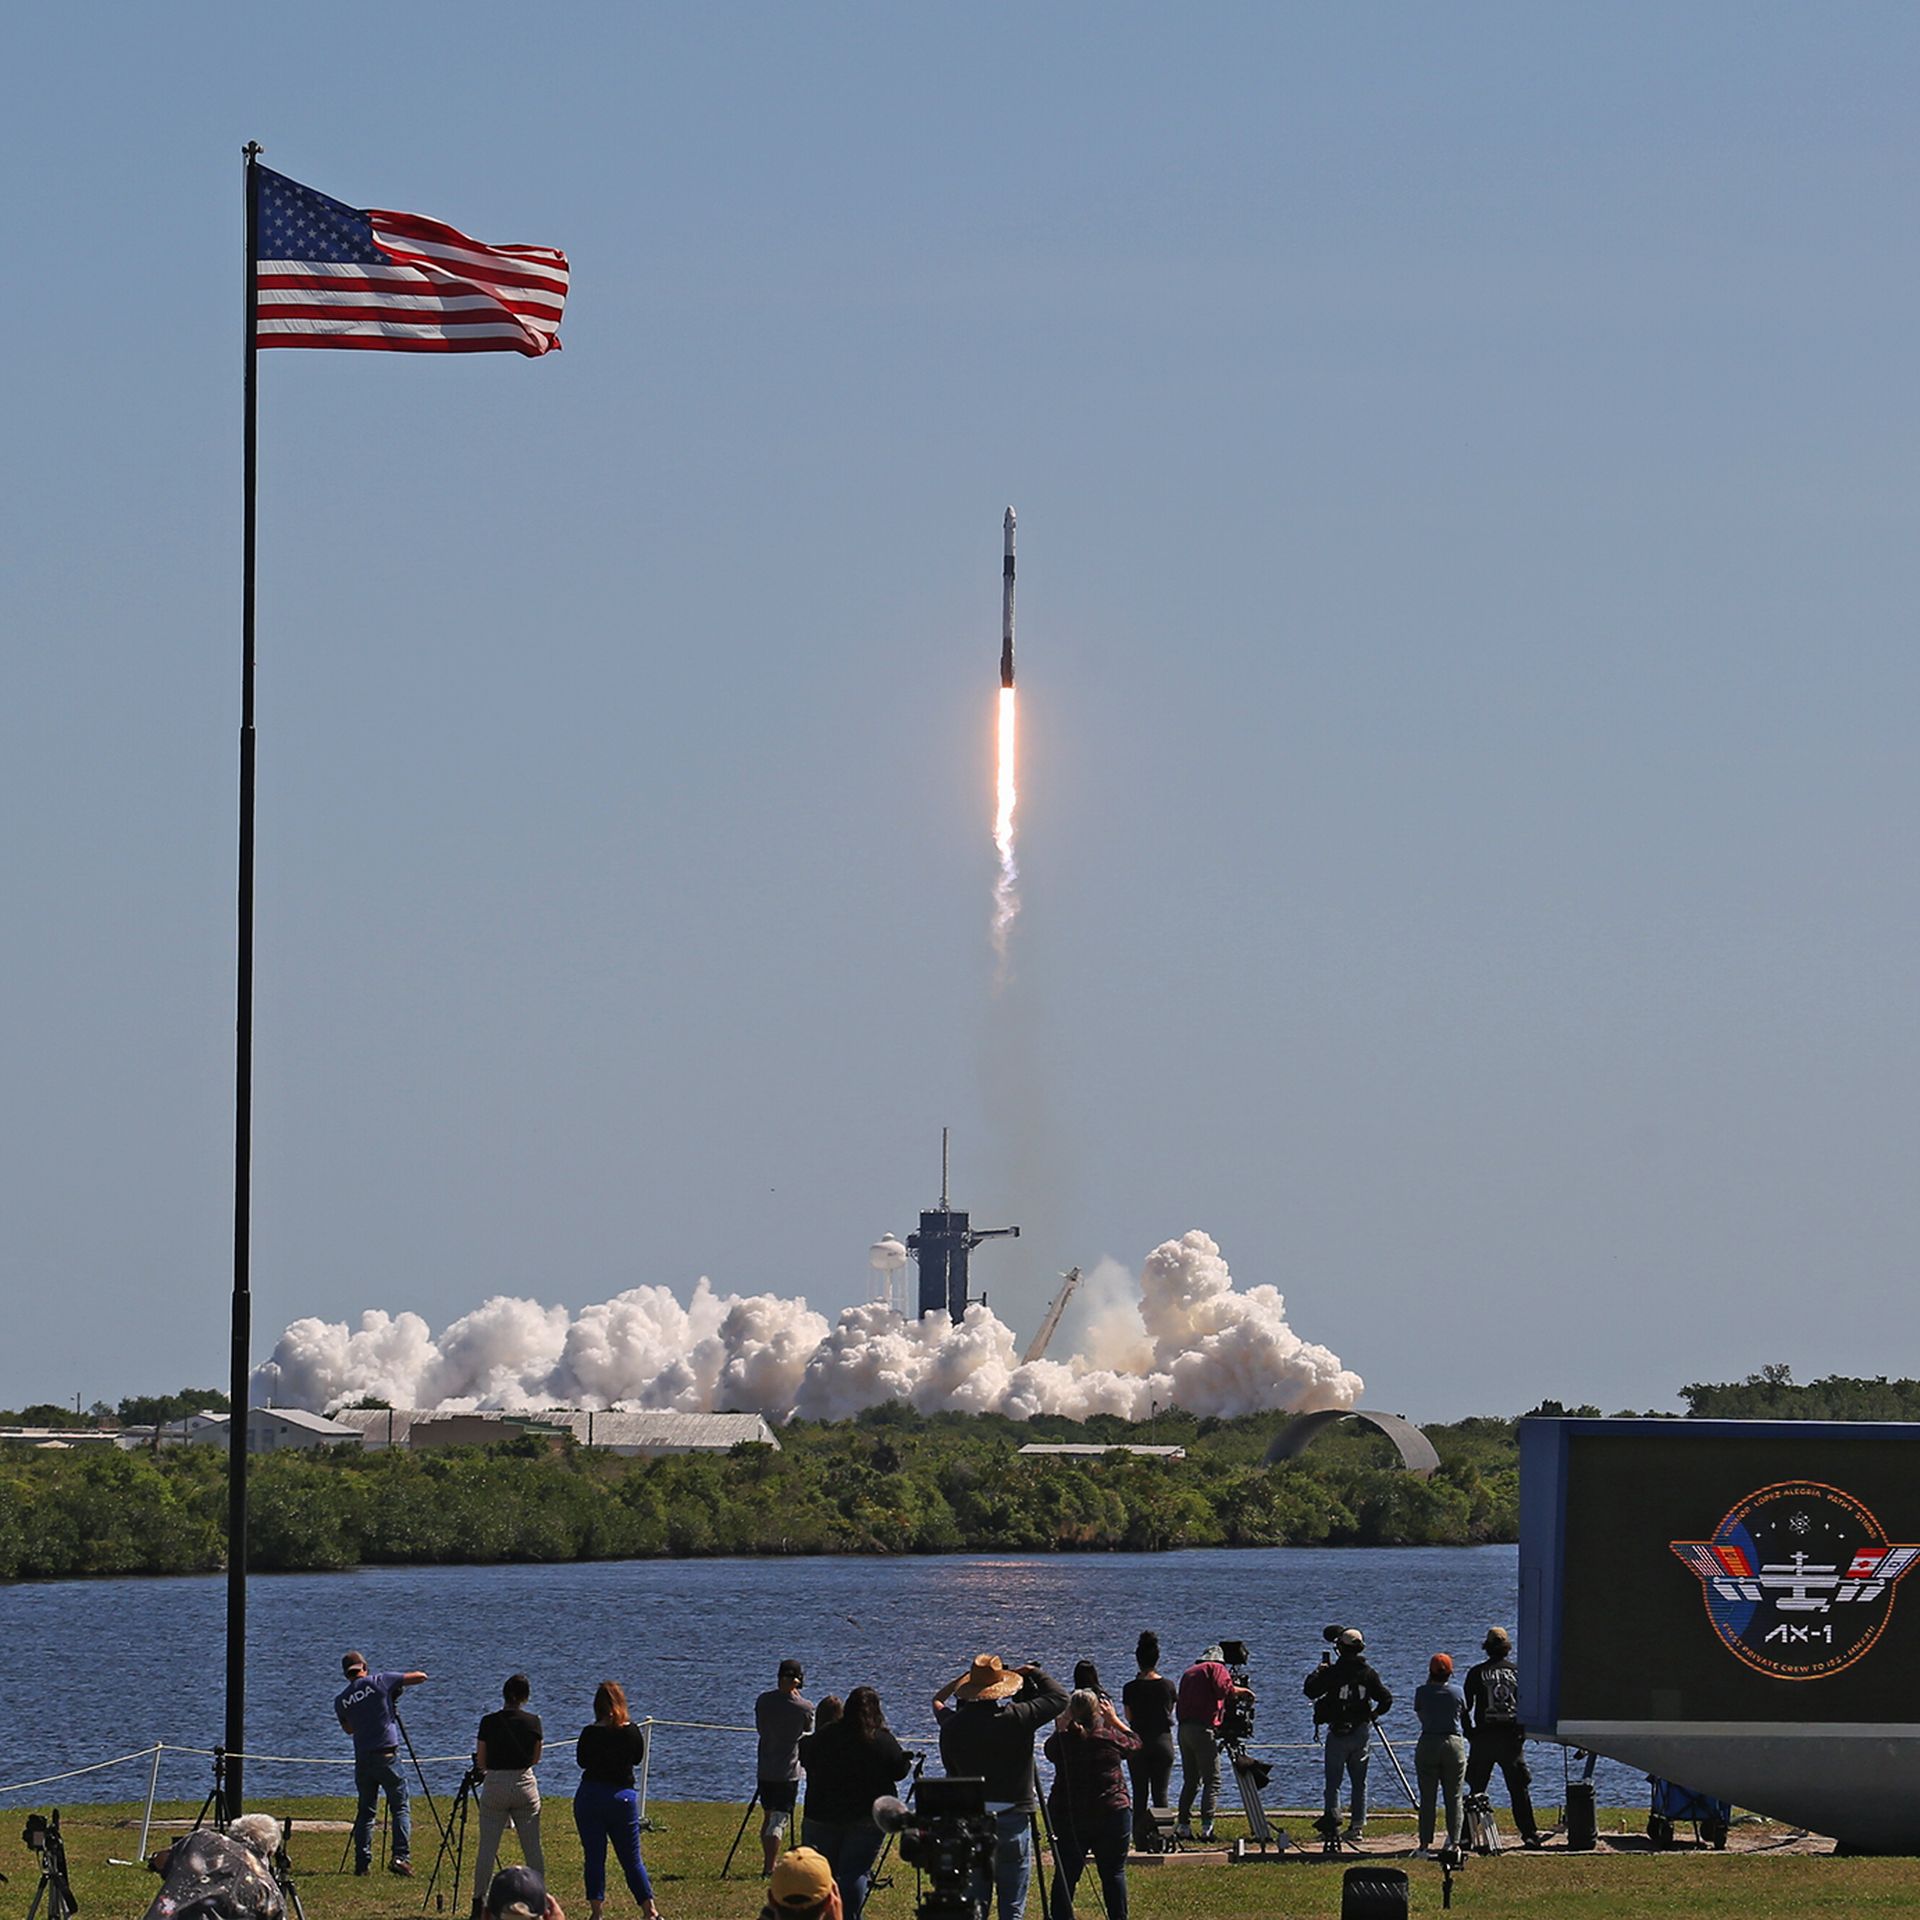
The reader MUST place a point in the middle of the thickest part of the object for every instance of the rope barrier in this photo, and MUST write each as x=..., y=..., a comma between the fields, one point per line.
x=461, y=1759
x=74, y=1773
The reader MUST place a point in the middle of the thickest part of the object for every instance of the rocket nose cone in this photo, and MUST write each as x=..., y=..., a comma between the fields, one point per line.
x=1009, y=519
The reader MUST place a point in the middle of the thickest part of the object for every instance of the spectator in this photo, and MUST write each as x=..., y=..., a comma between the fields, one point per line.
x=368, y=1707
x=1089, y=1806
x=782, y=1718
x=987, y=1731
x=850, y=1764
x=1148, y=1699
x=1495, y=1737
x=1199, y=1702
x=506, y=1750
x=1440, y=1755
x=605, y=1807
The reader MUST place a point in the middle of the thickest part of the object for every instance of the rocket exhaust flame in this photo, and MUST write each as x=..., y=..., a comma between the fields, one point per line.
x=1006, y=888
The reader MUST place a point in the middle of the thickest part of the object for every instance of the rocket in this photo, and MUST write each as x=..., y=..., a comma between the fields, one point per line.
x=1006, y=608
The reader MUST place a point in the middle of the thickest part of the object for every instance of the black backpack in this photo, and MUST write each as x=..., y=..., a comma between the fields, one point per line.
x=1500, y=1696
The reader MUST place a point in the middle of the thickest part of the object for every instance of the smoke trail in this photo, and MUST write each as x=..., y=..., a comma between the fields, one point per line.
x=1006, y=888
x=1182, y=1334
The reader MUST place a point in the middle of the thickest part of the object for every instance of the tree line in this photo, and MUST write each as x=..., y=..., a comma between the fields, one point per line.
x=892, y=1481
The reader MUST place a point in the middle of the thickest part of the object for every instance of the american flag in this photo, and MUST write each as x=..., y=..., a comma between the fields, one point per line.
x=330, y=275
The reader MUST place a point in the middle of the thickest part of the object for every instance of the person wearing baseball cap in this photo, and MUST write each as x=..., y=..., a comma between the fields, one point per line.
x=1348, y=1697
x=802, y=1887
x=368, y=1708
x=988, y=1718
x=519, y=1893
x=1495, y=1737
x=1199, y=1705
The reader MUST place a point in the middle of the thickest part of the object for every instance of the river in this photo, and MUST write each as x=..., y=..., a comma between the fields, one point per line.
x=99, y=1667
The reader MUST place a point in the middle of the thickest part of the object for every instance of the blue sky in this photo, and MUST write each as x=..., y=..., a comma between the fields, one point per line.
x=1465, y=464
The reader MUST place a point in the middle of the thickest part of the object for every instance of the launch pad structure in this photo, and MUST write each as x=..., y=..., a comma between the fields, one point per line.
x=946, y=1239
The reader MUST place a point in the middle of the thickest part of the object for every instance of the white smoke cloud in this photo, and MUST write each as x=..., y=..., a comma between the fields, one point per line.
x=1182, y=1334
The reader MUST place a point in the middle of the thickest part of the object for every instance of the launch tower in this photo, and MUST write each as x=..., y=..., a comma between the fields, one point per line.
x=945, y=1239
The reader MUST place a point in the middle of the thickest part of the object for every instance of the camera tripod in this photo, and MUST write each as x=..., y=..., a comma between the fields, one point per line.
x=214, y=1810
x=281, y=1867
x=43, y=1836
x=453, y=1839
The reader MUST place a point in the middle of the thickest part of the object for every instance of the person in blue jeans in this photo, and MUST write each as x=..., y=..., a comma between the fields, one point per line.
x=368, y=1708
x=850, y=1763
x=605, y=1807
x=988, y=1718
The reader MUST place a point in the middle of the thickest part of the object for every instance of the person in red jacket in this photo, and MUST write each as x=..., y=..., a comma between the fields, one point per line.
x=1204, y=1691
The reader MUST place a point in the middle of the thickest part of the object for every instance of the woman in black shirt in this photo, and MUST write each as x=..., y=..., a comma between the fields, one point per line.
x=604, y=1805
x=849, y=1765
x=1148, y=1700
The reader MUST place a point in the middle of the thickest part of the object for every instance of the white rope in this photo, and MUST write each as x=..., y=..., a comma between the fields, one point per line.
x=304, y=1760
x=49, y=1779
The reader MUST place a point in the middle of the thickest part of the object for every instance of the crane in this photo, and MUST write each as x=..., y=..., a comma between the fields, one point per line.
x=1051, y=1324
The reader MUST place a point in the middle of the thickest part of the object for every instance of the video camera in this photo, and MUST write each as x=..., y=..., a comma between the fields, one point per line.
x=947, y=1834
x=1236, y=1717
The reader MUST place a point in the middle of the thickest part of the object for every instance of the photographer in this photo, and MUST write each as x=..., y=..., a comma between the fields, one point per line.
x=1089, y=1805
x=850, y=1764
x=1348, y=1696
x=506, y=1750
x=368, y=1708
x=781, y=1719
x=1200, y=1702
x=987, y=1731
x=208, y=1875
x=1494, y=1734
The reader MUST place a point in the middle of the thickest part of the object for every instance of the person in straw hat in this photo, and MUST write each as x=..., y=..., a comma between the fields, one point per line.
x=988, y=1718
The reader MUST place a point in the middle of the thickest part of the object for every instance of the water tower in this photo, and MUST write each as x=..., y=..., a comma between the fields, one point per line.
x=886, y=1257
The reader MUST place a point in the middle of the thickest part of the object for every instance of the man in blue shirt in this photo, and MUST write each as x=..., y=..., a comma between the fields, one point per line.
x=368, y=1707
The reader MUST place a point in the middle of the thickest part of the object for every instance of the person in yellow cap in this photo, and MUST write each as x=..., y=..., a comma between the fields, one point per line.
x=802, y=1887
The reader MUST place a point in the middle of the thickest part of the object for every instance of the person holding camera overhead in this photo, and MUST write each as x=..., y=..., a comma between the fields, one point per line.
x=988, y=1718
x=1089, y=1806
x=851, y=1762
x=1348, y=1697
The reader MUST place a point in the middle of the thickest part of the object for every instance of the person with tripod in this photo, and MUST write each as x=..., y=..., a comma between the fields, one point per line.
x=506, y=1750
x=1348, y=1697
x=782, y=1719
x=1089, y=1808
x=368, y=1708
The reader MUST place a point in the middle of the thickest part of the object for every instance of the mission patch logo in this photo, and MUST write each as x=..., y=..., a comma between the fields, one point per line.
x=1798, y=1579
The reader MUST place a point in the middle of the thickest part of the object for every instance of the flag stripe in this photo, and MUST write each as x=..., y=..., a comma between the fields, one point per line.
x=332, y=275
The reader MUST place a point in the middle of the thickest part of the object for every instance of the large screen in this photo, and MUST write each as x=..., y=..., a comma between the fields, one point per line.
x=1767, y=1574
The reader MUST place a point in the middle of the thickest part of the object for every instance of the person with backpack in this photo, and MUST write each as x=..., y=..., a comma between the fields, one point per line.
x=1348, y=1697
x=1495, y=1737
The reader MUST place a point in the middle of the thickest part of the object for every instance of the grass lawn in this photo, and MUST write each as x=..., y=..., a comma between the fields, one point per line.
x=685, y=1851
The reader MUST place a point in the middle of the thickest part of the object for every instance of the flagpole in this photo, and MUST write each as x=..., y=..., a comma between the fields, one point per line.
x=236, y=1717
